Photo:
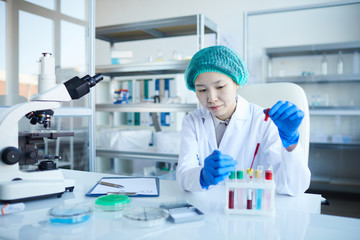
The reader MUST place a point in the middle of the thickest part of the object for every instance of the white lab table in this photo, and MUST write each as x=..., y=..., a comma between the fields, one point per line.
x=295, y=218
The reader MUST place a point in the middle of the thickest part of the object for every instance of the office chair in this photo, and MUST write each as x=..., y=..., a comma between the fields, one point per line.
x=267, y=94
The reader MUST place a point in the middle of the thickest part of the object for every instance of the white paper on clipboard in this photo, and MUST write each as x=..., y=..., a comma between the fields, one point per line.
x=137, y=185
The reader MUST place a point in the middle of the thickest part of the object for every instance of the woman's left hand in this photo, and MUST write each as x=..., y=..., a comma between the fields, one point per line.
x=287, y=117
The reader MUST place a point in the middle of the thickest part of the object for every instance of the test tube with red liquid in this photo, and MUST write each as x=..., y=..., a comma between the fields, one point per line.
x=249, y=197
x=232, y=192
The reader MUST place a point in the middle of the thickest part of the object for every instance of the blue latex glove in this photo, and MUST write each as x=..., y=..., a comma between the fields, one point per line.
x=287, y=117
x=217, y=167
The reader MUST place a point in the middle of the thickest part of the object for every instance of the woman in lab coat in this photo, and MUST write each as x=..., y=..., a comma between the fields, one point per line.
x=222, y=135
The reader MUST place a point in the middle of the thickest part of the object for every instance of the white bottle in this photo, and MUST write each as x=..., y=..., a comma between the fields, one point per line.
x=324, y=65
x=282, y=71
x=159, y=57
x=269, y=68
x=356, y=63
x=340, y=64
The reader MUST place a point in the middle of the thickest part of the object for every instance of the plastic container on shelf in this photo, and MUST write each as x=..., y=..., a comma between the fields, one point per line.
x=121, y=96
x=340, y=64
x=324, y=65
x=282, y=69
x=356, y=63
x=121, y=57
x=122, y=140
x=269, y=68
x=168, y=141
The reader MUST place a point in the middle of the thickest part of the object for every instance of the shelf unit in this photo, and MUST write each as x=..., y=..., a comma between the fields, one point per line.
x=161, y=28
x=136, y=155
x=337, y=146
x=332, y=111
x=130, y=69
x=198, y=25
x=150, y=107
x=315, y=49
x=337, y=143
x=317, y=78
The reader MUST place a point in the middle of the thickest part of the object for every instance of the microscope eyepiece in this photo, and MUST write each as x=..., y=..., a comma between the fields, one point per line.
x=98, y=77
x=92, y=81
x=78, y=87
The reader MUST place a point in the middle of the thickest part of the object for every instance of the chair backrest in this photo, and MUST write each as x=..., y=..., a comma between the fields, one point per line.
x=267, y=94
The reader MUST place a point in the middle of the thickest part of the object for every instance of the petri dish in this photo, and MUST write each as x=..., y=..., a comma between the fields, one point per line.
x=112, y=202
x=69, y=214
x=146, y=216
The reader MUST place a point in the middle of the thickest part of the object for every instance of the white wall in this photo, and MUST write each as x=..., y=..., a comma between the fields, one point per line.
x=229, y=20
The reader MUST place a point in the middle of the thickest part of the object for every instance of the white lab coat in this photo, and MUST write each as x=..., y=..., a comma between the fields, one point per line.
x=290, y=170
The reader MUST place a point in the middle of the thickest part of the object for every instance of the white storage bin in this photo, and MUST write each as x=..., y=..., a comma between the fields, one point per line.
x=168, y=142
x=115, y=139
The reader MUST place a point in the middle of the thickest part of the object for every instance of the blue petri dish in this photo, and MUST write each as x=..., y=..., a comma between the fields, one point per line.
x=70, y=214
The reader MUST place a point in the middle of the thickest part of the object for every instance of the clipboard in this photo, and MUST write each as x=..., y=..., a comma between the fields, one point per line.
x=130, y=186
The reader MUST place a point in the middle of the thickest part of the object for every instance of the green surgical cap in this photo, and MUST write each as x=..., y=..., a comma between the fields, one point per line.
x=216, y=59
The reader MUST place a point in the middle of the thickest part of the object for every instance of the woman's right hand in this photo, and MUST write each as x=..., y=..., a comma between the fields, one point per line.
x=217, y=167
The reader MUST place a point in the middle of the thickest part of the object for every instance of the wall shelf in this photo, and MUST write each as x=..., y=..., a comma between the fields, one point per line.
x=336, y=180
x=133, y=155
x=145, y=68
x=338, y=146
x=333, y=111
x=161, y=28
x=316, y=49
x=145, y=107
x=317, y=78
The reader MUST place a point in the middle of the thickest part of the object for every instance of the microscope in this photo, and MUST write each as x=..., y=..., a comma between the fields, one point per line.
x=19, y=148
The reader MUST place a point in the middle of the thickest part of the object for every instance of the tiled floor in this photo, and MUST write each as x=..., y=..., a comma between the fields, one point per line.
x=341, y=204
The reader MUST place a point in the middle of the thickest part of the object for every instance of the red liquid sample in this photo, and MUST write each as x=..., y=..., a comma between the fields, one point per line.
x=231, y=199
x=249, y=204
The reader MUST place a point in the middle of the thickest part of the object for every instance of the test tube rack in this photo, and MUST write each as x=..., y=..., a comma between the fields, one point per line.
x=261, y=199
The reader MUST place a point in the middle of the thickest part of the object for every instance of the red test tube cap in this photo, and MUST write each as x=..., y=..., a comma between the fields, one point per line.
x=267, y=114
x=268, y=175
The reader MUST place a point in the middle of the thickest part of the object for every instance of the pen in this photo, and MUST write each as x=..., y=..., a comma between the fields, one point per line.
x=111, y=184
x=123, y=193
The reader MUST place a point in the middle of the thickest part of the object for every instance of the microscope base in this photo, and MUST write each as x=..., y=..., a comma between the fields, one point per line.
x=25, y=190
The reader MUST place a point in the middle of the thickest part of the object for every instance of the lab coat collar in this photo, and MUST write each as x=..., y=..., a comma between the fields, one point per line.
x=242, y=111
x=241, y=114
x=218, y=121
x=209, y=124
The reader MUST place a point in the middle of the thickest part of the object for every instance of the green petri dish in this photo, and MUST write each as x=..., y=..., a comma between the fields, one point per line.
x=112, y=202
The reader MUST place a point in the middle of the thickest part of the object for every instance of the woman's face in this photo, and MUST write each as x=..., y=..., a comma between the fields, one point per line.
x=217, y=93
